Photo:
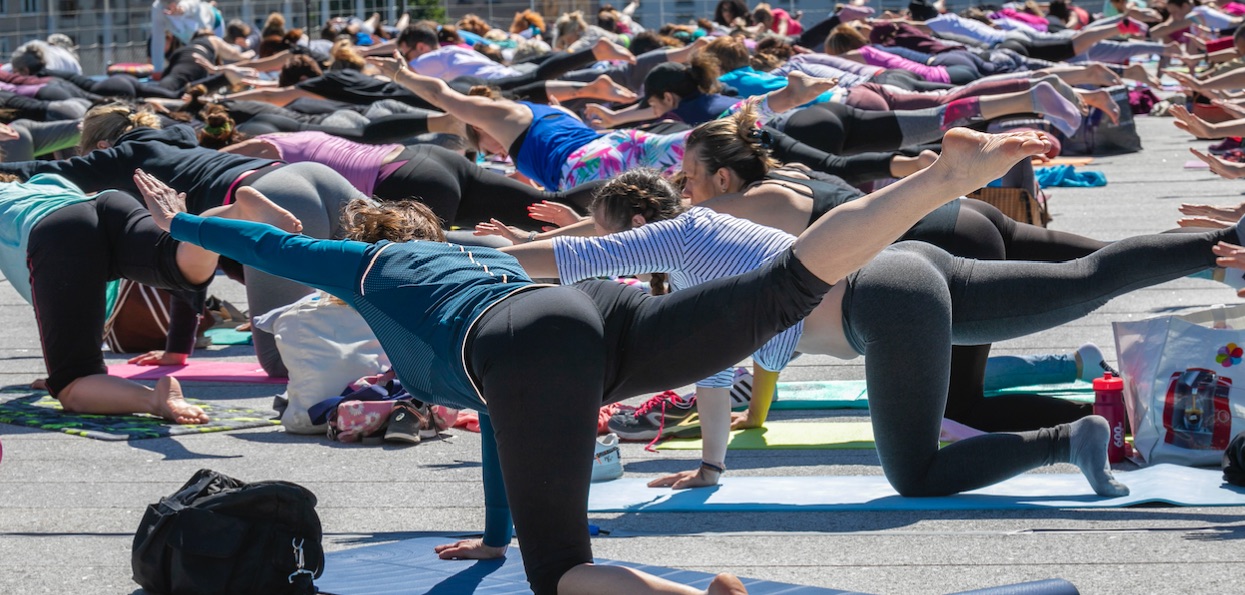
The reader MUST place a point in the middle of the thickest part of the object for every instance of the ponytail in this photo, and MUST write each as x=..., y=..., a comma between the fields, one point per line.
x=106, y=123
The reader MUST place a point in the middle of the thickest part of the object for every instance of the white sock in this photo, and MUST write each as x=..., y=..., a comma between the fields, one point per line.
x=1092, y=363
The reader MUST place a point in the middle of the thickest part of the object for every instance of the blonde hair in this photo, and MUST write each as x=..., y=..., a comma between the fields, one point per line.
x=106, y=123
x=345, y=57
x=367, y=220
x=735, y=143
x=843, y=39
x=568, y=24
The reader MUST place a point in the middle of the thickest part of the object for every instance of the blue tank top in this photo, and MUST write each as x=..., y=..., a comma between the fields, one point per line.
x=703, y=107
x=550, y=139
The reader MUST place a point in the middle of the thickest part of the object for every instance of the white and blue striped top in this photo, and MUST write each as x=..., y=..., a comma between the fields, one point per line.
x=695, y=247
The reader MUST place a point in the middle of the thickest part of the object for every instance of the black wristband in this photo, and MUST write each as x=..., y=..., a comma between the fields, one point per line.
x=712, y=467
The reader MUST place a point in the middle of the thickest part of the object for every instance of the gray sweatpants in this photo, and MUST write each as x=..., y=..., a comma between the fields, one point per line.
x=39, y=138
x=905, y=310
x=315, y=194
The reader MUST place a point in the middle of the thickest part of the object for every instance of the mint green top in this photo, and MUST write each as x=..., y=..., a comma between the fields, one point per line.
x=22, y=206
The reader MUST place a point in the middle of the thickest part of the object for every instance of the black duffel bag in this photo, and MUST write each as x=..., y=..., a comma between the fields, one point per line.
x=220, y=535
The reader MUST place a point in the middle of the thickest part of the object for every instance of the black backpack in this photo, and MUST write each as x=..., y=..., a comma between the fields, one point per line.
x=220, y=535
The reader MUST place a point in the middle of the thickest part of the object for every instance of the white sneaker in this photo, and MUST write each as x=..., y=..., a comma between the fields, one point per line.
x=607, y=462
x=741, y=389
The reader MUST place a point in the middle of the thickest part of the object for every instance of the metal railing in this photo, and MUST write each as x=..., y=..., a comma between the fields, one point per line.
x=117, y=31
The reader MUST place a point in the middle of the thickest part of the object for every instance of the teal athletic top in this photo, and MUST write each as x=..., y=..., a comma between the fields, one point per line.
x=422, y=299
x=22, y=206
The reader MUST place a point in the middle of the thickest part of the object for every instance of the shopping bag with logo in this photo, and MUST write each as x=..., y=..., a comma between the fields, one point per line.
x=1184, y=383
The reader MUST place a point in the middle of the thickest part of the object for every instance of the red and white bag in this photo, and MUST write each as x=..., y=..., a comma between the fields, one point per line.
x=1184, y=383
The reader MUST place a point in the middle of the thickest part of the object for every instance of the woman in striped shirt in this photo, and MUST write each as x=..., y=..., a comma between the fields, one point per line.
x=903, y=310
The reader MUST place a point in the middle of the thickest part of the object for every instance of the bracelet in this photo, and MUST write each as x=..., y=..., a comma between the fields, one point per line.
x=531, y=236
x=712, y=467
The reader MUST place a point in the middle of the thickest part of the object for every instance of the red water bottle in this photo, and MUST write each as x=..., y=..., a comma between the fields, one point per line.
x=1109, y=403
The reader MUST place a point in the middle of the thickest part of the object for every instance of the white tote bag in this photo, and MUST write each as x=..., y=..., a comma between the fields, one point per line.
x=325, y=345
x=1184, y=383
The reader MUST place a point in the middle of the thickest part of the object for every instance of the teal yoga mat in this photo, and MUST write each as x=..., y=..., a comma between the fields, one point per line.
x=228, y=336
x=851, y=394
x=1170, y=484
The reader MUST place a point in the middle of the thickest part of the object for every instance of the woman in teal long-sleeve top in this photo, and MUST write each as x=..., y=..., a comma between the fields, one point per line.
x=466, y=327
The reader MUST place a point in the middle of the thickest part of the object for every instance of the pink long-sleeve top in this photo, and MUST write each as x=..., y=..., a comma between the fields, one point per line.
x=360, y=164
x=876, y=57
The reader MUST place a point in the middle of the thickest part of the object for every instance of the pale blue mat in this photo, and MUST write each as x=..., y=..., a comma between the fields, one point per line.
x=1170, y=484
x=411, y=567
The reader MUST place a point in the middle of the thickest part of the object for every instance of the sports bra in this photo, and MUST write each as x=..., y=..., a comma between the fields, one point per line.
x=827, y=191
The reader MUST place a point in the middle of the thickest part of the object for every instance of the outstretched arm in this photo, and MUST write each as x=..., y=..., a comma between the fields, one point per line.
x=498, y=528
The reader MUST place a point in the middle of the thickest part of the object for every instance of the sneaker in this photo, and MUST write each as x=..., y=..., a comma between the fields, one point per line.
x=607, y=462
x=1225, y=145
x=667, y=415
x=410, y=422
x=1093, y=364
x=741, y=389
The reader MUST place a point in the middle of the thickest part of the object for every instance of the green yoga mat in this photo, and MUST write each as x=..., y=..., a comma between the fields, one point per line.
x=42, y=411
x=851, y=394
x=777, y=435
x=228, y=336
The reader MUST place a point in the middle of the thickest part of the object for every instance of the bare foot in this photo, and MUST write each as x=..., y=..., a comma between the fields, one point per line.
x=726, y=584
x=975, y=158
x=251, y=205
x=1102, y=100
x=1138, y=72
x=806, y=88
x=609, y=51
x=167, y=402
x=606, y=89
x=1103, y=76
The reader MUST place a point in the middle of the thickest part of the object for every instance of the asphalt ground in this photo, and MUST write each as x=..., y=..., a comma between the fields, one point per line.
x=69, y=505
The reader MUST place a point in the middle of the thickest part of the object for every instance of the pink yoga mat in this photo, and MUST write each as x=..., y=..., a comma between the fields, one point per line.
x=198, y=372
x=1196, y=164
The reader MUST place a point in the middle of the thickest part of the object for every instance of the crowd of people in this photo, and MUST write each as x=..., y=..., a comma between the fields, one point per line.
x=781, y=183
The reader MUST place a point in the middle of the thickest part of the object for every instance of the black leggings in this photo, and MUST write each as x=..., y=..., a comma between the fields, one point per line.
x=1054, y=50
x=600, y=342
x=556, y=65
x=117, y=85
x=854, y=169
x=905, y=309
x=383, y=130
x=462, y=193
x=980, y=231
x=73, y=253
x=908, y=81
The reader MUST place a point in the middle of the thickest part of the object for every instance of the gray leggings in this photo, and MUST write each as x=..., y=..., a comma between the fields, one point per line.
x=905, y=310
x=315, y=194
x=39, y=138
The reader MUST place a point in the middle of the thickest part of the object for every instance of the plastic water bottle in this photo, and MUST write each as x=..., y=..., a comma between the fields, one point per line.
x=1109, y=403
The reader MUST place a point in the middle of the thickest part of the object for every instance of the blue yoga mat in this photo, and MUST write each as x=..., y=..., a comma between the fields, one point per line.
x=1170, y=484
x=410, y=567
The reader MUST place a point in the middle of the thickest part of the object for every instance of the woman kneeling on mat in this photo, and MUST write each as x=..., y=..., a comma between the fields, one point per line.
x=62, y=249
x=467, y=328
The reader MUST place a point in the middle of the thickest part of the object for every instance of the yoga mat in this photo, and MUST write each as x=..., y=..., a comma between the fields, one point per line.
x=851, y=394
x=228, y=336
x=1169, y=484
x=777, y=435
x=411, y=567
x=1196, y=164
x=1074, y=161
x=42, y=411
x=198, y=371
